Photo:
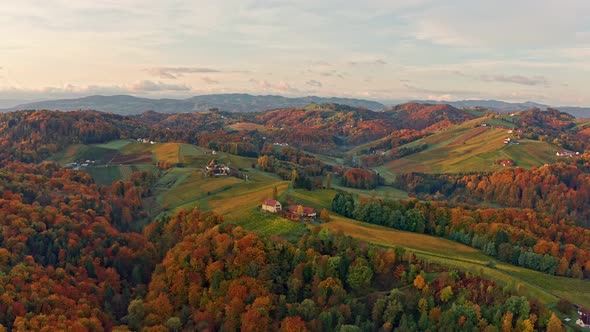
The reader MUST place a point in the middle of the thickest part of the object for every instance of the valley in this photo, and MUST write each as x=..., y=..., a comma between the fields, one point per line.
x=430, y=188
x=462, y=148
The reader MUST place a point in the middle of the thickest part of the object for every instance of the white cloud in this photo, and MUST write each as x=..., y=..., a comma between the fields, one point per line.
x=151, y=86
x=516, y=79
x=377, y=62
x=209, y=80
x=281, y=86
x=314, y=83
x=175, y=72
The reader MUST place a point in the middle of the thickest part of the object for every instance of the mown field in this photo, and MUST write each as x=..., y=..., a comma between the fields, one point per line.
x=167, y=152
x=105, y=175
x=546, y=287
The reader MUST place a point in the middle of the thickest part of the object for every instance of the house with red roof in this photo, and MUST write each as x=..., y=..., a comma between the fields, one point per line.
x=271, y=205
x=302, y=211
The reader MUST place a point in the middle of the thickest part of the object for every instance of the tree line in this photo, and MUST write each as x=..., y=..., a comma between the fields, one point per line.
x=520, y=237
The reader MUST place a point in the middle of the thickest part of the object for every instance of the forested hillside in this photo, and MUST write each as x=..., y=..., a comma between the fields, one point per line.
x=67, y=265
x=561, y=190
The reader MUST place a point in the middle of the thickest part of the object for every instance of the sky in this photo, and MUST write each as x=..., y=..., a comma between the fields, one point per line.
x=517, y=50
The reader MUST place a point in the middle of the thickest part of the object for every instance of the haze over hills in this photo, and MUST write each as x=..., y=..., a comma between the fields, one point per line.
x=125, y=104
x=505, y=107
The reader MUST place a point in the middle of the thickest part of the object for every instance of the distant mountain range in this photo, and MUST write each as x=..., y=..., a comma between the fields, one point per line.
x=506, y=107
x=124, y=104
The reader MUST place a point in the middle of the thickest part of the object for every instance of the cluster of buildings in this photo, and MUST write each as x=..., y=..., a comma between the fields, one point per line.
x=145, y=141
x=508, y=140
x=506, y=162
x=76, y=165
x=568, y=154
x=215, y=169
x=293, y=212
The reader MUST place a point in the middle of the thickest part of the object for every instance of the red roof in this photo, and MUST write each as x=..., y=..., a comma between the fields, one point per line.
x=270, y=202
x=306, y=210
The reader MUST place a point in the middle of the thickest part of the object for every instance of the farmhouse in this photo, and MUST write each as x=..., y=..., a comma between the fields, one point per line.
x=302, y=211
x=215, y=169
x=271, y=205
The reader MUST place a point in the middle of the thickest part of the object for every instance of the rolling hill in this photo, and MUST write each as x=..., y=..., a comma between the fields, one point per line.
x=507, y=107
x=472, y=148
x=421, y=116
x=124, y=104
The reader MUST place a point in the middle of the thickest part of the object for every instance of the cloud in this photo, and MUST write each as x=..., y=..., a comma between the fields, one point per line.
x=264, y=84
x=285, y=87
x=281, y=86
x=500, y=23
x=151, y=86
x=175, y=72
x=209, y=80
x=515, y=79
x=439, y=92
x=576, y=53
x=331, y=73
x=376, y=62
x=314, y=83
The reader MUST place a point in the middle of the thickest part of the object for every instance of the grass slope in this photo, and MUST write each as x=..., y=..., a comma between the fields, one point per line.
x=167, y=152
x=81, y=152
x=105, y=175
x=546, y=287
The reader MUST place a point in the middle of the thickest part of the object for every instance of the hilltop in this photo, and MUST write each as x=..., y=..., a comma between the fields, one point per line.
x=421, y=116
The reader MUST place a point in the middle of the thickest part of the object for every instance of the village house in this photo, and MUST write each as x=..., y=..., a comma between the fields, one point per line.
x=271, y=205
x=302, y=211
